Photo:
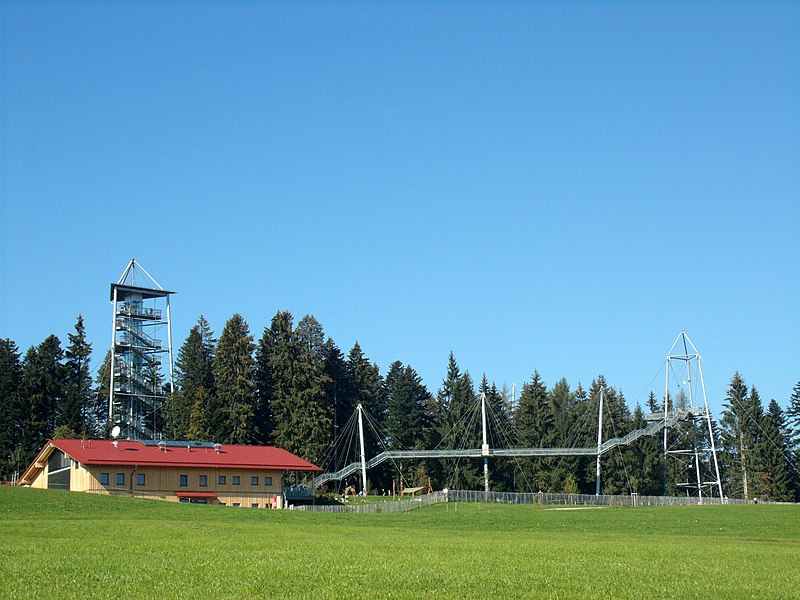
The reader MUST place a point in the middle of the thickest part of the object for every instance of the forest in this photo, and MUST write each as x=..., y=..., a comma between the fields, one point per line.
x=295, y=388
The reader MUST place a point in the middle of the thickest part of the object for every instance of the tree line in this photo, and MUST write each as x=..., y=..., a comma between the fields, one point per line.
x=296, y=389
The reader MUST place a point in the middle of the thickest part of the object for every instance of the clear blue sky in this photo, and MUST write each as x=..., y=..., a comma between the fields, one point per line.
x=552, y=186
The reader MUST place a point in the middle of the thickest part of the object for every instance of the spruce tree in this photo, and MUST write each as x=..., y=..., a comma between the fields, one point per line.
x=97, y=415
x=232, y=415
x=534, y=421
x=194, y=372
x=42, y=391
x=774, y=454
x=12, y=412
x=277, y=366
x=740, y=437
x=74, y=408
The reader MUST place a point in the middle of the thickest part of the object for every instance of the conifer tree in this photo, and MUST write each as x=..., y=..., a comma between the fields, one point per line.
x=97, y=418
x=12, y=412
x=194, y=372
x=232, y=415
x=74, y=408
x=42, y=390
x=534, y=421
x=774, y=454
x=740, y=435
x=339, y=388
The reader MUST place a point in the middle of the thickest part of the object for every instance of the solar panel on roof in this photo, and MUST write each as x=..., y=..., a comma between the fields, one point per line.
x=178, y=443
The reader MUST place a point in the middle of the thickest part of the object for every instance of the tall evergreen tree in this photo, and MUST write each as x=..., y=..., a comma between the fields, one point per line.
x=740, y=436
x=534, y=421
x=313, y=412
x=194, y=372
x=12, y=412
x=97, y=417
x=339, y=387
x=233, y=417
x=459, y=419
x=74, y=408
x=42, y=390
x=774, y=454
x=278, y=358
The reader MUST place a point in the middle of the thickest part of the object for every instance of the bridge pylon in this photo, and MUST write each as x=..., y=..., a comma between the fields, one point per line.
x=690, y=453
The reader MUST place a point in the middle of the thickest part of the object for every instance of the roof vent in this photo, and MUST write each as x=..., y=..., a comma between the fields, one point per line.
x=217, y=448
x=162, y=446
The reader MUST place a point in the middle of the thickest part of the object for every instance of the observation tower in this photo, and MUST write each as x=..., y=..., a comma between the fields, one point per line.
x=137, y=390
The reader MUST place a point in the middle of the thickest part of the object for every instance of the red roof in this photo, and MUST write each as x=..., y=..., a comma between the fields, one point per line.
x=103, y=452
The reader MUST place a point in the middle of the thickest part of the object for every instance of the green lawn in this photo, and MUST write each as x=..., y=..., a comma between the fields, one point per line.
x=62, y=544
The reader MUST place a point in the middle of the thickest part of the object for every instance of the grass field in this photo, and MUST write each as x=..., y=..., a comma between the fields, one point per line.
x=61, y=544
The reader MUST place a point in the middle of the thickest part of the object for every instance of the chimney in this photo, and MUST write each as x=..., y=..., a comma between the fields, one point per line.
x=162, y=446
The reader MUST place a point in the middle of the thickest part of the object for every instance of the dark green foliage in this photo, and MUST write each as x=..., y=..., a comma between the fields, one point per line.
x=12, y=411
x=42, y=391
x=740, y=438
x=232, y=416
x=338, y=386
x=534, y=419
x=75, y=405
x=774, y=456
x=194, y=374
x=97, y=414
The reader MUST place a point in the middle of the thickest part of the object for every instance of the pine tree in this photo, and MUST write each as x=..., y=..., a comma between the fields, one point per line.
x=42, y=391
x=313, y=413
x=774, y=454
x=561, y=401
x=194, y=372
x=11, y=410
x=278, y=358
x=367, y=389
x=534, y=421
x=740, y=436
x=339, y=387
x=232, y=415
x=74, y=408
x=97, y=416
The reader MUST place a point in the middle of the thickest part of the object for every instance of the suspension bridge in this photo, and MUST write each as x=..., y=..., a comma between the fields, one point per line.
x=657, y=422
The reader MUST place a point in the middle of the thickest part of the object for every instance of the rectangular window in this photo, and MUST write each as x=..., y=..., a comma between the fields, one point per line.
x=254, y=480
x=221, y=480
x=105, y=478
x=236, y=504
x=120, y=478
x=267, y=480
x=203, y=480
x=184, y=500
x=184, y=480
x=235, y=480
x=140, y=479
x=254, y=505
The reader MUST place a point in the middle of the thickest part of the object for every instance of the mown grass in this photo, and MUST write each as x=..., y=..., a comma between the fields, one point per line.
x=62, y=544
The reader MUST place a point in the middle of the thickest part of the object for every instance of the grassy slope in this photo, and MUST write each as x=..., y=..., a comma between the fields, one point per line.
x=61, y=544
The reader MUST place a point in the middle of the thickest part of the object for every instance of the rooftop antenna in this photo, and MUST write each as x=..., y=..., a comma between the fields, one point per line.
x=115, y=434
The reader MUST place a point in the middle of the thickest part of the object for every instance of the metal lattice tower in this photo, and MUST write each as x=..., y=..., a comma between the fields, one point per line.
x=137, y=390
x=689, y=448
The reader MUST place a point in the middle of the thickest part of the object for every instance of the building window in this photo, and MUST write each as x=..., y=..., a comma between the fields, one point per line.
x=120, y=478
x=105, y=478
x=203, y=480
x=183, y=500
x=254, y=480
x=235, y=480
x=254, y=505
x=267, y=480
x=184, y=480
x=236, y=504
x=221, y=480
x=140, y=479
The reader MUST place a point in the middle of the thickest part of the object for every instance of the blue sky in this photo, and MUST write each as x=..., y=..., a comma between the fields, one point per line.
x=552, y=186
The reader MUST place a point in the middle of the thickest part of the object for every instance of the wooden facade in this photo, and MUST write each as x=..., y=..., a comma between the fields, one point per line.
x=255, y=486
